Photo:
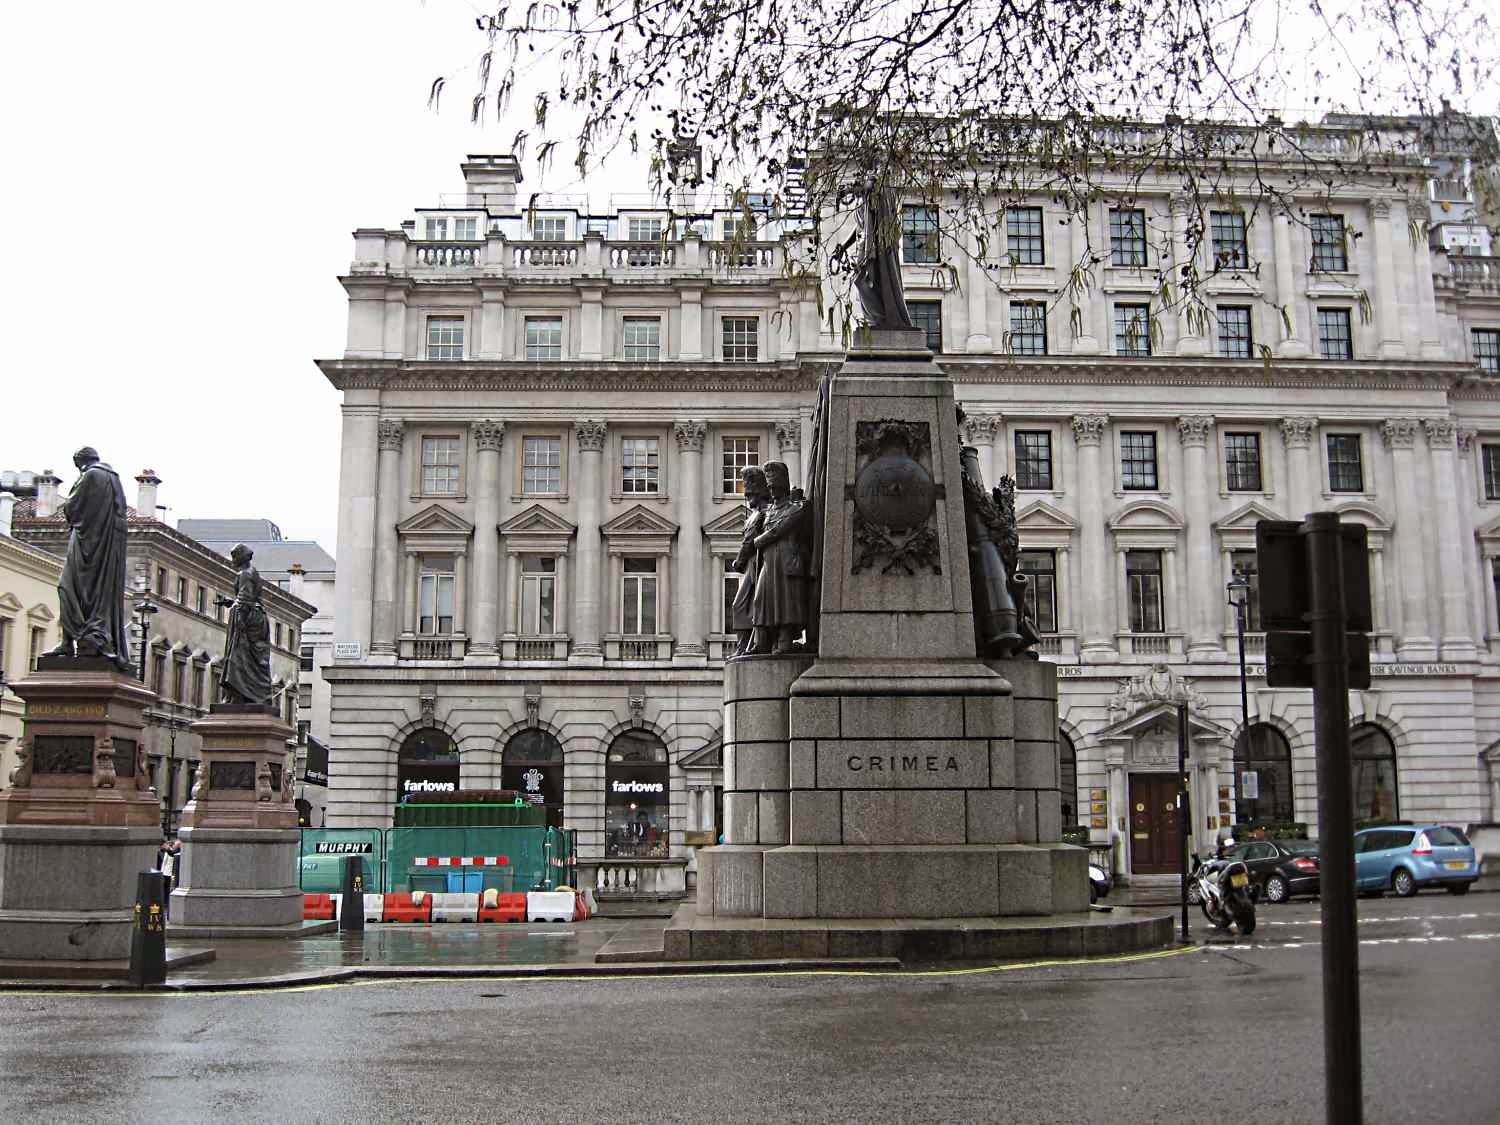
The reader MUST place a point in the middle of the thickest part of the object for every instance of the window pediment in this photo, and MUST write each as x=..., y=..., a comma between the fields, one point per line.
x=437, y=530
x=537, y=530
x=41, y=612
x=1146, y=515
x=1245, y=517
x=639, y=530
x=10, y=602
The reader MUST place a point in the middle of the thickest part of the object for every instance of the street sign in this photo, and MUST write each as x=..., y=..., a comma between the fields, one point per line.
x=1288, y=660
x=1281, y=564
x=346, y=650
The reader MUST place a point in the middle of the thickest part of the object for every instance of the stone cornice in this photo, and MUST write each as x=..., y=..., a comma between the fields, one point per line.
x=567, y=376
x=23, y=558
x=1197, y=372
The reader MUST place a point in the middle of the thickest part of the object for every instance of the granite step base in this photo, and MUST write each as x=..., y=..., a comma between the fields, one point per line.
x=14, y=969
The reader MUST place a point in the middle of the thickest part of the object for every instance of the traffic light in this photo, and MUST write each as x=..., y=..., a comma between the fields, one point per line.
x=1285, y=601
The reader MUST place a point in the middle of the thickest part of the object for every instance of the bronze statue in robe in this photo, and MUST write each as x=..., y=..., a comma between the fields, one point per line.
x=778, y=610
x=247, y=654
x=91, y=592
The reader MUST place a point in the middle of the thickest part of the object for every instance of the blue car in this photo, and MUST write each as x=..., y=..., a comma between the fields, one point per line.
x=1405, y=858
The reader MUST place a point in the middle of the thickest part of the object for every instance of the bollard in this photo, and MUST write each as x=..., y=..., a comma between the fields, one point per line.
x=148, y=932
x=352, y=905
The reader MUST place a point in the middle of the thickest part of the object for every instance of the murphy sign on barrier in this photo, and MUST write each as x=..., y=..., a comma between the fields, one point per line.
x=343, y=847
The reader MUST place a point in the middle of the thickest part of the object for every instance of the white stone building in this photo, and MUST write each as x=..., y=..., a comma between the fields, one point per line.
x=545, y=411
x=29, y=614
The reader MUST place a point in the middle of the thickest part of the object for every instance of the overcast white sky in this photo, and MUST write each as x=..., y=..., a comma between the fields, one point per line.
x=181, y=182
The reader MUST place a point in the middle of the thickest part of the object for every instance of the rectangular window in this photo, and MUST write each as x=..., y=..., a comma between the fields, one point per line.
x=739, y=227
x=643, y=230
x=928, y=316
x=1028, y=328
x=737, y=452
x=1345, y=466
x=305, y=658
x=4, y=644
x=640, y=465
x=741, y=339
x=1023, y=236
x=638, y=598
x=544, y=337
x=1335, y=339
x=179, y=681
x=276, y=632
x=464, y=230
x=437, y=230
x=182, y=591
x=159, y=673
x=1242, y=462
x=440, y=466
x=1495, y=579
x=640, y=337
x=1034, y=460
x=1487, y=349
x=538, y=595
x=435, y=596
x=161, y=581
x=201, y=601
x=919, y=235
x=730, y=584
x=38, y=643
x=198, y=686
x=445, y=337
x=1040, y=568
x=1234, y=331
x=1143, y=584
x=541, y=466
x=1138, y=460
x=1132, y=330
x=1127, y=236
x=1491, y=457
x=1328, y=253
x=552, y=228
x=1227, y=229
x=1244, y=563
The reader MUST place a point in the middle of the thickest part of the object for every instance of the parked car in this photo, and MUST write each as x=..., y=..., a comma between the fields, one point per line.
x=1280, y=869
x=1405, y=858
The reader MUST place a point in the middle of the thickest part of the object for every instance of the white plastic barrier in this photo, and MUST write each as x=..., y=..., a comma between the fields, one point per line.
x=374, y=907
x=549, y=906
x=455, y=907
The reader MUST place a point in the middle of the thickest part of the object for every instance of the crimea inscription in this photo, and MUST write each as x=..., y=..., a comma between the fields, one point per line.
x=938, y=764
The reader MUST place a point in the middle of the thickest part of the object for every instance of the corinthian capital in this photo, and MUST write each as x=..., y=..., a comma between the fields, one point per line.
x=789, y=434
x=487, y=434
x=1440, y=432
x=1297, y=432
x=689, y=435
x=1399, y=433
x=590, y=434
x=1192, y=429
x=1088, y=429
x=389, y=433
x=981, y=428
x=1466, y=440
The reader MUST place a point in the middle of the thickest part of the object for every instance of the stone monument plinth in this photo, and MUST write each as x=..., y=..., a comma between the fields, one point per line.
x=240, y=841
x=80, y=819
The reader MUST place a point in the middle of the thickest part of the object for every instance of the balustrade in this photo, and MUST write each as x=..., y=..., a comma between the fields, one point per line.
x=553, y=255
x=642, y=255
x=1148, y=644
x=536, y=650
x=725, y=255
x=427, y=649
x=445, y=254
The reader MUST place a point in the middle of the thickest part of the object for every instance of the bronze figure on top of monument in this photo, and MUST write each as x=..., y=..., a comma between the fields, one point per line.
x=247, y=651
x=92, y=589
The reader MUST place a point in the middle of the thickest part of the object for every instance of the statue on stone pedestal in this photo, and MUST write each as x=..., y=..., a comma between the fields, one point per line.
x=757, y=496
x=998, y=588
x=92, y=590
x=877, y=278
x=247, y=654
x=778, y=611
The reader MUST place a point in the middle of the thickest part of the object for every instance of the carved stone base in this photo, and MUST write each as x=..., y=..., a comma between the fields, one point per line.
x=238, y=878
x=242, y=776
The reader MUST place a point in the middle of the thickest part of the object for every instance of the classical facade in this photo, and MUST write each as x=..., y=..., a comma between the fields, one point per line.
x=545, y=413
x=180, y=643
x=28, y=613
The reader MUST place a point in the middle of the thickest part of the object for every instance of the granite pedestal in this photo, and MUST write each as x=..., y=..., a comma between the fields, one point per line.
x=240, y=841
x=80, y=820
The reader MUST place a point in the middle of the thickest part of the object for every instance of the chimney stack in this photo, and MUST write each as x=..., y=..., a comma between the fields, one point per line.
x=490, y=182
x=295, y=579
x=46, y=493
x=145, y=497
x=7, y=509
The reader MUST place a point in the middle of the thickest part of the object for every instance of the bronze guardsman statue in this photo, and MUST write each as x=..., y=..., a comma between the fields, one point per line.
x=757, y=496
x=1001, y=628
x=778, y=611
x=92, y=589
x=247, y=654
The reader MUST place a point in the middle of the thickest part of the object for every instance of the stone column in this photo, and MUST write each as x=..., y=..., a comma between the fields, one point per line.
x=391, y=432
x=1080, y=298
x=1387, y=304
x=979, y=431
x=1098, y=644
x=491, y=321
x=1291, y=344
x=1202, y=587
x=1297, y=434
x=409, y=609
x=485, y=625
x=1447, y=494
x=691, y=345
x=1188, y=341
x=1431, y=335
x=589, y=476
x=1479, y=582
x=460, y=594
x=354, y=595
x=690, y=626
x=1400, y=435
x=980, y=341
x=788, y=445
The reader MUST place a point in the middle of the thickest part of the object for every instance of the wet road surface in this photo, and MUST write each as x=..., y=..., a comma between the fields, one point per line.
x=1228, y=1031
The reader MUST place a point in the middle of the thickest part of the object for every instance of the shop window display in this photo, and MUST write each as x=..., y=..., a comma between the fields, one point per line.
x=637, y=798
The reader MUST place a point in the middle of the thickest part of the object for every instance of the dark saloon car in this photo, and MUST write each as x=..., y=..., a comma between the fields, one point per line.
x=1280, y=869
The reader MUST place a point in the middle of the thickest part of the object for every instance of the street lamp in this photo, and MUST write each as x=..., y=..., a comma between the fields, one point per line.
x=144, y=608
x=1239, y=597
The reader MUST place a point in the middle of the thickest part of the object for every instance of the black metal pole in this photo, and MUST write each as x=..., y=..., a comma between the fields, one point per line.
x=171, y=778
x=1184, y=813
x=145, y=637
x=1341, y=1025
x=352, y=901
x=1239, y=615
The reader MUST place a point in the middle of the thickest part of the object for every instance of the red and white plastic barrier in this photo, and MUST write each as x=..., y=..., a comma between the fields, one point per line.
x=461, y=861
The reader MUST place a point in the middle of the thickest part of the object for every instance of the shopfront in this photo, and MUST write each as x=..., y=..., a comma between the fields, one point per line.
x=532, y=765
x=637, y=798
x=426, y=763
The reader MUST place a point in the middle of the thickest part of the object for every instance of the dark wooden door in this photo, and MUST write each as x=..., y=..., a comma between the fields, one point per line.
x=1155, y=831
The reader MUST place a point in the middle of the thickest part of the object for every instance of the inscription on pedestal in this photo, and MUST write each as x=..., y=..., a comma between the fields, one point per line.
x=63, y=753
x=231, y=775
x=853, y=764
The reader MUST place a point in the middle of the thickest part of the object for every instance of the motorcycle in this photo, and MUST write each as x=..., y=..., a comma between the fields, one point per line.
x=1222, y=890
x=1099, y=883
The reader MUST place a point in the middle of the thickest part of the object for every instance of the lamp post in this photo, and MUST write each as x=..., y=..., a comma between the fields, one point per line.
x=144, y=608
x=1239, y=597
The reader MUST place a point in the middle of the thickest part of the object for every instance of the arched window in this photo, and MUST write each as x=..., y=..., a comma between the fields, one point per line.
x=533, y=766
x=1372, y=758
x=637, y=797
x=426, y=763
x=1067, y=778
x=1264, y=754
